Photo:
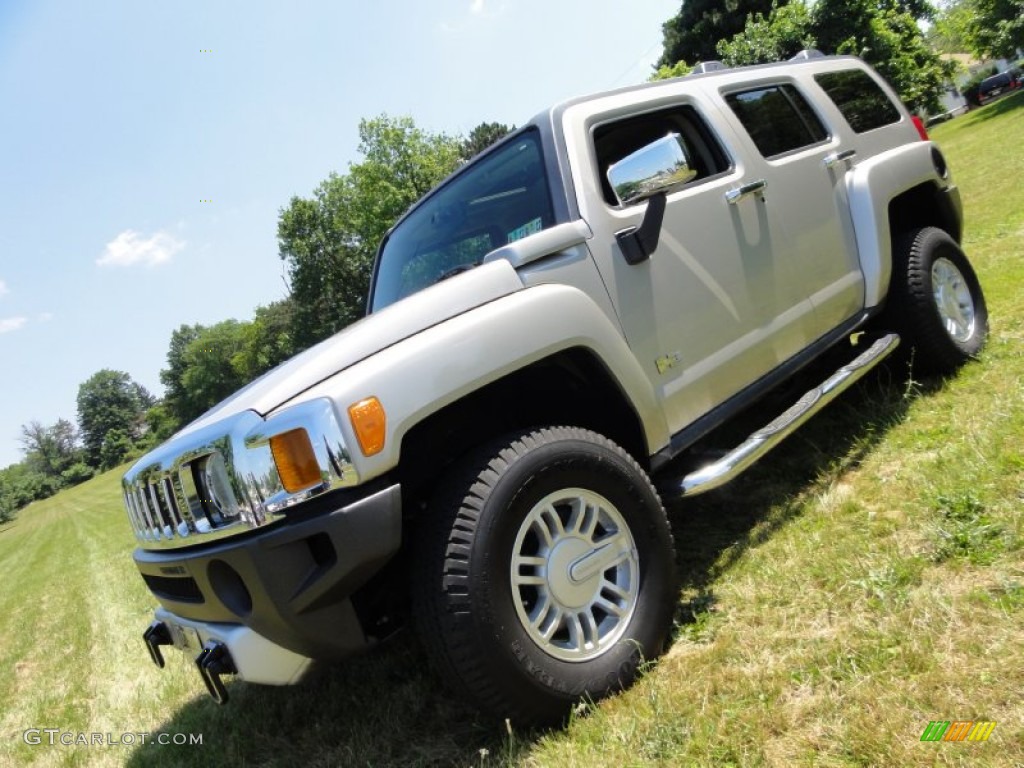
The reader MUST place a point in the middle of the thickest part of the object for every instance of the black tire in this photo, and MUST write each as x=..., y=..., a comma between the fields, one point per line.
x=936, y=302
x=472, y=612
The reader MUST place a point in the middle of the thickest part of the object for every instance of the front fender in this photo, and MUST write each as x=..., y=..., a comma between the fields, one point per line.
x=422, y=374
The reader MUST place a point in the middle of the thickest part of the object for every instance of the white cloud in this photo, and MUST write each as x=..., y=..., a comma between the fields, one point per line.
x=476, y=6
x=44, y=316
x=130, y=248
x=12, y=323
x=3, y=288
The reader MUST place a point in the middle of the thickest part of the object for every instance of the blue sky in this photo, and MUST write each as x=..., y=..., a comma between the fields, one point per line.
x=116, y=125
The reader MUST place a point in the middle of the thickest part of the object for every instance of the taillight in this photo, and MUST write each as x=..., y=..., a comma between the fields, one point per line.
x=919, y=124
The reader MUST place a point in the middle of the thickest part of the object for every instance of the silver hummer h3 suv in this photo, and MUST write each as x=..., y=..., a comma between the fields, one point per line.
x=547, y=330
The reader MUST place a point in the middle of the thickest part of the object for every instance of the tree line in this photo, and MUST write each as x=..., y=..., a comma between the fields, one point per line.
x=327, y=241
x=888, y=34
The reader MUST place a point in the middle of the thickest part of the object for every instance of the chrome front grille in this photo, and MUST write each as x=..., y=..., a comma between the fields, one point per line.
x=166, y=507
x=221, y=479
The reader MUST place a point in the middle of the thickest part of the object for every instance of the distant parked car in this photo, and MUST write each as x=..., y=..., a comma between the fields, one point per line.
x=998, y=85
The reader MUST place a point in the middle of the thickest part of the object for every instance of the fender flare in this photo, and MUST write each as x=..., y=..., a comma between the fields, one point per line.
x=871, y=186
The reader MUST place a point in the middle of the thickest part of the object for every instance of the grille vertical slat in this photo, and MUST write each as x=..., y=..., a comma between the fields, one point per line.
x=133, y=514
x=147, y=514
x=163, y=521
x=177, y=521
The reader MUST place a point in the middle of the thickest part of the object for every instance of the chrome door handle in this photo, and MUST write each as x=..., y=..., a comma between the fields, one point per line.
x=831, y=161
x=733, y=196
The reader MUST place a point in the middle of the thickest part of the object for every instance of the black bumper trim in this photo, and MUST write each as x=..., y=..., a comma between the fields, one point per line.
x=291, y=584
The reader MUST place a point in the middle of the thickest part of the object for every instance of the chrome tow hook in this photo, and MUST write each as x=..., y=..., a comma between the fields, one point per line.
x=157, y=634
x=212, y=662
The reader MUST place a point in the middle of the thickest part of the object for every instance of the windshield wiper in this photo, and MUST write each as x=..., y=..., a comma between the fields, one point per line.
x=456, y=271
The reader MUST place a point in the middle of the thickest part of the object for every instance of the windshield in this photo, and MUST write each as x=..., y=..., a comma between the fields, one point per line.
x=495, y=201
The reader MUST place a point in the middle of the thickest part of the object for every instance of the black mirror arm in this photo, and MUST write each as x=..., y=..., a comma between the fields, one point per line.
x=639, y=243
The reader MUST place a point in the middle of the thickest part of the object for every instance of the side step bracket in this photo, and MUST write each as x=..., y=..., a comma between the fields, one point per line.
x=758, y=444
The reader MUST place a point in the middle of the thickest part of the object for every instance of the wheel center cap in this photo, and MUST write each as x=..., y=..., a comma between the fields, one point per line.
x=568, y=591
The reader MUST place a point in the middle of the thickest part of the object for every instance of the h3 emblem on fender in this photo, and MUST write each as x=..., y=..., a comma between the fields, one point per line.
x=670, y=360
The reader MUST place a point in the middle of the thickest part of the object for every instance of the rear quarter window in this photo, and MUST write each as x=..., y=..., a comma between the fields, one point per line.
x=859, y=98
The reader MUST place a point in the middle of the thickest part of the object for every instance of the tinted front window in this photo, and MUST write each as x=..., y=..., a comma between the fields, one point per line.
x=777, y=118
x=862, y=102
x=496, y=201
x=614, y=141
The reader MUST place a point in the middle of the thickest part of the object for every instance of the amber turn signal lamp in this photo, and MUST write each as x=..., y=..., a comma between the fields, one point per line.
x=295, y=460
x=369, y=422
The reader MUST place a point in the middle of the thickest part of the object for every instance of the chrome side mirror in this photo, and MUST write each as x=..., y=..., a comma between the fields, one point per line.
x=661, y=166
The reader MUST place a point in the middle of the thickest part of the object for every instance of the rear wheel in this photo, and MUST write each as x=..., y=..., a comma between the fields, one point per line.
x=544, y=574
x=936, y=301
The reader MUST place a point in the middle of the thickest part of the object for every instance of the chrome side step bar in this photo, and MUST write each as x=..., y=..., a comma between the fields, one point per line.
x=758, y=444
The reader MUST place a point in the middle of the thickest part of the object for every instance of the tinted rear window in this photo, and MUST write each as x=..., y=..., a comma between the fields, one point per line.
x=863, y=103
x=777, y=118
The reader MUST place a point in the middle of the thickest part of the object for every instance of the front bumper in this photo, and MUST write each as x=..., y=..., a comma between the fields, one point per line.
x=290, y=586
x=255, y=659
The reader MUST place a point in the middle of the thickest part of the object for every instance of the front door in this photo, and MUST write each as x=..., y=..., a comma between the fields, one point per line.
x=719, y=303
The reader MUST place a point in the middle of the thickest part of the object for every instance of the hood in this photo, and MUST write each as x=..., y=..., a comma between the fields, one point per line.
x=364, y=338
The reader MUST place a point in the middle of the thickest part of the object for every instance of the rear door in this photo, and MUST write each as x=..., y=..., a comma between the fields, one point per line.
x=804, y=164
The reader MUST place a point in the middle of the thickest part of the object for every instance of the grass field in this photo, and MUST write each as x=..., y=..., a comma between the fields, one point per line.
x=862, y=581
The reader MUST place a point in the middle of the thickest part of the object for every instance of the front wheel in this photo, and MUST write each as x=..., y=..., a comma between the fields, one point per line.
x=936, y=302
x=544, y=573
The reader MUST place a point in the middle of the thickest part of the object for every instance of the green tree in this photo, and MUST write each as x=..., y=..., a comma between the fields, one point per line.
x=328, y=242
x=50, y=450
x=266, y=341
x=160, y=424
x=210, y=367
x=481, y=137
x=77, y=473
x=883, y=33
x=692, y=33
x=986, y=28
x=666, y=72
x=117, y=447
x=110, y=401
x=7, y=508
x=781, y=34
x=49, y=453
x=205, y=364
x=8, y=499
x=176, y=398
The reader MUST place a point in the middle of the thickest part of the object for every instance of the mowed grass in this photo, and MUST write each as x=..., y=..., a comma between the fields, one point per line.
x=865, y=579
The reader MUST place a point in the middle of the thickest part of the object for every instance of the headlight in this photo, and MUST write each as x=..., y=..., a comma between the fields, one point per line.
x=216, y=487
x=308, y=450
x=296, y=463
